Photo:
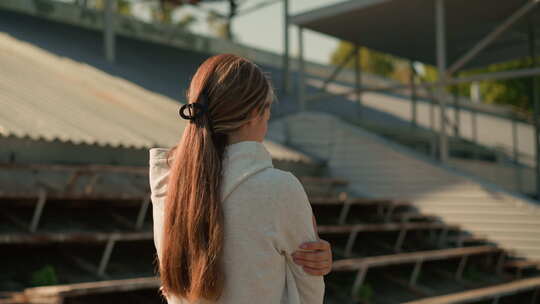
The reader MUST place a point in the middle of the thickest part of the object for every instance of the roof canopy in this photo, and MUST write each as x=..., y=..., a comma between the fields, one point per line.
x=406, y=28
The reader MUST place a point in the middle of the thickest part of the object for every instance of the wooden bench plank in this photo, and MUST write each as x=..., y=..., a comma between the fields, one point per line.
x=63, y=237
x=383, y=227
x=409, y=257
x=323, y=180
x=91, y=168
x=127, y=196
x=332, y=200
x=522, y=264
x=87, y=288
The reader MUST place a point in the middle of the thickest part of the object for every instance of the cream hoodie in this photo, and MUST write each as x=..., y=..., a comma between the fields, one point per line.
x=267, y=216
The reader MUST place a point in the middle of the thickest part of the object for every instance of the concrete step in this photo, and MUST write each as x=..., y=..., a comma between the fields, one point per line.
x=471, y=217
x=479, y=210
x=490, y=222
x=423, y=192
x=463, y=202
x=517, y=243
x=494, y=232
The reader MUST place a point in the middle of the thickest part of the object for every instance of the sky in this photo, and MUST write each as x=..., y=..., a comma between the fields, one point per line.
x=263, y=28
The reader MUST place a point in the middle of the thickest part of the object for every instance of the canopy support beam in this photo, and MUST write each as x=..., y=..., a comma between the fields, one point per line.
x=480, y=46
x=536, y=104
x=286, y=51
x=108, y=30
x=301, y=70
x=440, y=25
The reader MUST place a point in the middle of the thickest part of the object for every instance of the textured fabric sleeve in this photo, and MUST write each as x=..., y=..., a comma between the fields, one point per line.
x=158, y=175
x=295, y=226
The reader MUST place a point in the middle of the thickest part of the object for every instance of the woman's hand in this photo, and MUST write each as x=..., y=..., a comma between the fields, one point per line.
x=315, y=262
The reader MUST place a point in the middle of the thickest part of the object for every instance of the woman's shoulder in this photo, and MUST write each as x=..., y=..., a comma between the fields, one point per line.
x=274, y=175
x=276, y=180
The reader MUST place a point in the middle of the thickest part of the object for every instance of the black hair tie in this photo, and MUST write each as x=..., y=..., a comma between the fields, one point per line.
x=201, y=107
x=192, y=114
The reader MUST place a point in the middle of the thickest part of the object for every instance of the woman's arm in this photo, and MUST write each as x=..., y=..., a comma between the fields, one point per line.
x=318, y=261
x=294, y=226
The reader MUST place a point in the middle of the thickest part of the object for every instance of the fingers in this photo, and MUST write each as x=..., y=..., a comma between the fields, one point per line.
x=321, y=251
x=322, y=264
x=316, y=261
x=313, y=256
x=316, y=245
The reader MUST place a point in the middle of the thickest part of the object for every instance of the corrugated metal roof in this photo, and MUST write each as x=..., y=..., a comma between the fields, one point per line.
x=47, y=97
x=44, y=96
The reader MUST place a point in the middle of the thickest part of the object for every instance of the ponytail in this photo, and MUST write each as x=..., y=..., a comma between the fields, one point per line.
x=193, y=235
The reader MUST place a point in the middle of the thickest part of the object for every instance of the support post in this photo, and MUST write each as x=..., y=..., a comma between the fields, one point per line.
x=358, y=79
x=344, y=212
x=350, y=242
x=442, y=237
x=400, y=240
x=457, y=122
x=412, y=80
x=89, y=188
x=39, y=209
x=461, y=267
x=106, y=256
x=108, y=35
x=389, y=213
x=301, y=70
x=416, y=272
x=285, y=76
x=500, y=263
x=515, y=152
x=142, y=212
x=474, y=127
x=536, y=103
x=441, y=65
x=515, y=141
x=358, y=281
x=434, y=138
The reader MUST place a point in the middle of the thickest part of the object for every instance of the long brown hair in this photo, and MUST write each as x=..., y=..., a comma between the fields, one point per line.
x=191, y=264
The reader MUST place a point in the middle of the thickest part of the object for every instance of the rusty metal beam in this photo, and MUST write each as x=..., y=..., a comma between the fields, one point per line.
x=38, y=210
x=142, y=212
x=106, y=256
x=81, y=168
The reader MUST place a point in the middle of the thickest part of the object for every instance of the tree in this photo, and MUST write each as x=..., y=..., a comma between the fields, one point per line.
x=370, y=61
x=511, y=92
x=515, y=92
x=186, y=21
x=124, y=7
x=220, y=26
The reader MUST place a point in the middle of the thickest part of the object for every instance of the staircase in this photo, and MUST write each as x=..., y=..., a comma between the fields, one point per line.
x=376, y=167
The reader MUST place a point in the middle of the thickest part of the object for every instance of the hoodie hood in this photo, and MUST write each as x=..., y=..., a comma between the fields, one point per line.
x=240, y=161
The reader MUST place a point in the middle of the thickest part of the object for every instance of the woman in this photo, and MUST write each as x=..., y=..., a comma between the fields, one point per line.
x=226, y=222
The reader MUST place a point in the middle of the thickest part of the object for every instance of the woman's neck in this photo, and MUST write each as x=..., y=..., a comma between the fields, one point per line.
x=236, y=139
